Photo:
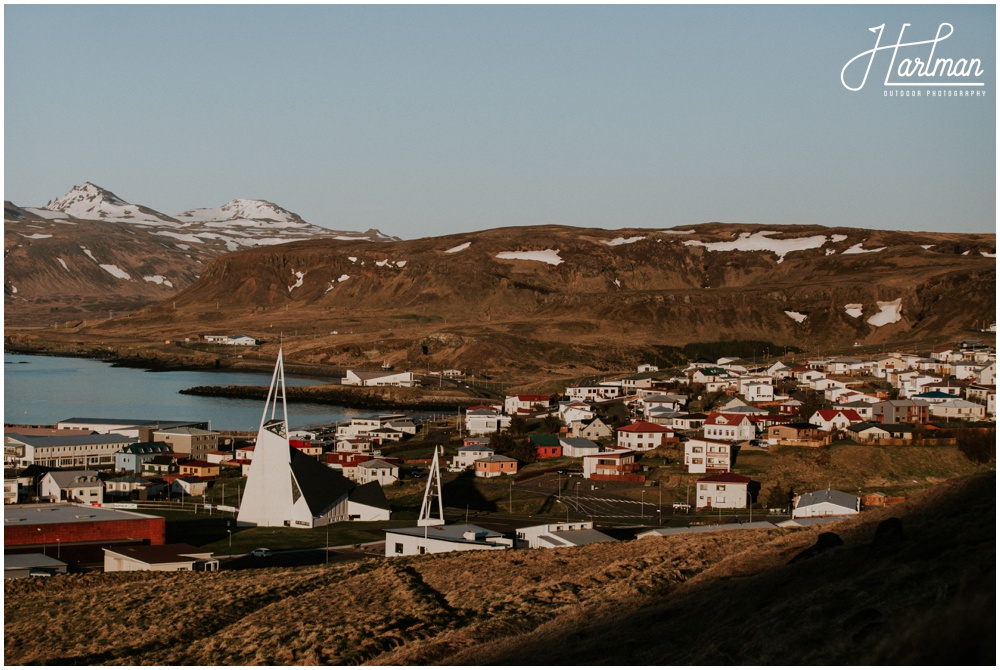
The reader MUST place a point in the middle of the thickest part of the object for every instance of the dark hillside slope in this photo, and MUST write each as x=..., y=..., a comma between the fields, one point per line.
x=925, y=595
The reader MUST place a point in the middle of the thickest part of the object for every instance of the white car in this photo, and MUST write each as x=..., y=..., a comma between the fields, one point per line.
x=682, y=506
x=260, y=553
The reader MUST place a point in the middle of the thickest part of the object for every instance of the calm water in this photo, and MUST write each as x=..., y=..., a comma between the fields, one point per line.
x=49, y=389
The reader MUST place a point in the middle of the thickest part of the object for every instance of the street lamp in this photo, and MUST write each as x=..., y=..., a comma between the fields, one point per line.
x=230, y=543
x=328, y=542
x=642, y=505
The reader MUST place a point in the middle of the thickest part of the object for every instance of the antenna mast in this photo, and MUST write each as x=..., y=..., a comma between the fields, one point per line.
x=426, y=509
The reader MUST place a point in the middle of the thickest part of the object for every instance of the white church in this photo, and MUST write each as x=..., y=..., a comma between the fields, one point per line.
x=285, y=487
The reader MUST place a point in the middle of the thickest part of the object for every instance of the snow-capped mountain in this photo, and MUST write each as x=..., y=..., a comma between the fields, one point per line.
x=90, y=201
x=91, y=251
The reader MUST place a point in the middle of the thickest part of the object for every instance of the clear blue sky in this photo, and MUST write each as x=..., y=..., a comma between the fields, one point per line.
x=434, y=120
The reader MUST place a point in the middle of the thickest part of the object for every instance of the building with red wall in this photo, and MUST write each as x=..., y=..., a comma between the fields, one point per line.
x=39, y=525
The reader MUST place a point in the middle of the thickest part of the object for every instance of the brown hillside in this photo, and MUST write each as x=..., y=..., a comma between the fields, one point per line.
x=923, y=596
x=415, y=305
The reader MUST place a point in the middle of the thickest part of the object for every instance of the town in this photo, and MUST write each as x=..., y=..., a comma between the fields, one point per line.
x=651, y=453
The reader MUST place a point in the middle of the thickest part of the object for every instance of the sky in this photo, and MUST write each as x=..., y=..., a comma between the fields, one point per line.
x=433, y=120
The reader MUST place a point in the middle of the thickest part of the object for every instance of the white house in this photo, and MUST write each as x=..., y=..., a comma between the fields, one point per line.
x=575, y=411
x=467, y=456
x=368, y=503
x=80, y=486
x=957, y=409
x=563, y=534
x=726, y=491
x=362, y=378
x=643, y=436
x=703, y=455
x=578, y=447
x=159, y=558
x=592, y=393
x=485, y=422
x=732, y=427
x=834, y=419
x=377, y=471
x=609, y=464
x=525, y=404
x=443, y=539
x=825, y=503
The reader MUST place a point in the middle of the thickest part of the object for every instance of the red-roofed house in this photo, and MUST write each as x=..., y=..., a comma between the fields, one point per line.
x=522, y=404
x=834, y=419
x=307, y=448
x=727, y=490
x=643, y=436
x=732, y=427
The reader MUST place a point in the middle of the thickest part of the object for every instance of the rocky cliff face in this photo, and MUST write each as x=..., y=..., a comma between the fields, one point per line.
x=534, y=294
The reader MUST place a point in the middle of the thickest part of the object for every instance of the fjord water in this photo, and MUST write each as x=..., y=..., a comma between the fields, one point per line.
x=44, y=390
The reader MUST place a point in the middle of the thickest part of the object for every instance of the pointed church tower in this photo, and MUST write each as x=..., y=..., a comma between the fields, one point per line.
x=426, y=509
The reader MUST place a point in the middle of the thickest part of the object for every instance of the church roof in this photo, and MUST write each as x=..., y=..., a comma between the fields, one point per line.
x=322, y=487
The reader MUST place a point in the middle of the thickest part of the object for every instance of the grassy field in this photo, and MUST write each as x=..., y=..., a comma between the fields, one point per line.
x=926, y=595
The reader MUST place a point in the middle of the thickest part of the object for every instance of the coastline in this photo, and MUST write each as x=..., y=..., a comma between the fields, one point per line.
x=380, y=398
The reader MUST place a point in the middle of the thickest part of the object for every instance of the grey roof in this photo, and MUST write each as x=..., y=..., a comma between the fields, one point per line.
x=132, y=422
x=828, y=495
x=579, y=443
x=69, y=440
x=496, y=458
x=66, y=478
x=582, y=536
x=147, y=448
x=552, y=540
x=24, y=561
x=376, y=463
x=186, y=430
x=35, y=515
x=449, y=533
x=476, y=447
x=128, y=479
x=161, y=553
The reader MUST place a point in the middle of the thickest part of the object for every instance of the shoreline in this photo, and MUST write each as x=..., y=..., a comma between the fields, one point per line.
x=336, y=396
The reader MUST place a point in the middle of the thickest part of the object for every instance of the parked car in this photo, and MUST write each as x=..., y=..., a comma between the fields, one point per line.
x=261, y=553
x=682, y=506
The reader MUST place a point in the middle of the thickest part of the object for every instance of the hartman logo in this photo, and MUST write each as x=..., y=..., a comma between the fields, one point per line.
x=914, y=64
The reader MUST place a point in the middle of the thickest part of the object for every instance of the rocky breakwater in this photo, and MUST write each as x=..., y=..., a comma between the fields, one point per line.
x=346, y=396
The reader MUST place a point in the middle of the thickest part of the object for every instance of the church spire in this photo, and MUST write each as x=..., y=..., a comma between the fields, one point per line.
x=427, y=508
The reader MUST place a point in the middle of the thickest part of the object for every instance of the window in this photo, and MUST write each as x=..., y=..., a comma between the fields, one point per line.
x=399, y=547
x=421, y=550
x=720, y=487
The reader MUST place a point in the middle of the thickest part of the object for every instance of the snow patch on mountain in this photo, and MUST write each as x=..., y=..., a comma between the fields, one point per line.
x=857, y=249
x=300, y=277
x=550, y=256
x=460, y=247
x=93, y=202
x=926, y=246
x=63, y=263
x=353, y=259
x=180, y=236
x=158, y=279
x=250, y=212
x=89, y=254
x=115, y=271
x=797, y=317
x=35, y=236
x=44, y=213
x=837, y=238
x=400, y=264
x=761, y=241
x=988, y=254
x=889, y=312
x=854, y=309
x=618, y=241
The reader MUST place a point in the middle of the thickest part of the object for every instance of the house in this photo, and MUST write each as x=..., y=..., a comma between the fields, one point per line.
x=79, y=486
x=525, y=404
x=124, y=486
x=442, y=539
x=643, y=436
x=703, y=455
x=611, y=466
x=732, y=427
x=467, y=456
x=485, y=422
x=661, y=401
x=547, y=446
x=64, y=451
x=799, y=434
x=368, y=503
x=867, y=432
x=132, y=456
x=592, y=393
x=596, y=429
x=726, y=490
x=495, y=465
x=194, y=442
x=958, y=410
x=684, y=421
x=189, y=486
x=825, y=503
x=790, y=406
x=578, y=447
x=646, y=367
x=575, y=411
x=564, y=534
x=360, y=378
x=834, y=419
x=199, y=469
x=16, y=566
x=862, y=407
x=405, y=426
x=159, y=558
x=307, y=447
x=377, y=470
x=900, y=411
